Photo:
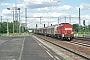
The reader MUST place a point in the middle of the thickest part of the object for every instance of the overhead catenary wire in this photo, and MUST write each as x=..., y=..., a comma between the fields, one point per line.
x=51, y=8
x=49, y=11
x=46, y=13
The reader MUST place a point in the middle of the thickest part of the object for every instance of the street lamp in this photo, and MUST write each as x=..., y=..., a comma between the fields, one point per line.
x=13, y=19
x=1, y=24
x=19, y=20
x=7, y=28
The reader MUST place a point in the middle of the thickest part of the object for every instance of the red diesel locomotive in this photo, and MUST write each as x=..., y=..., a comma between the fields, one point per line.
x=61, y=31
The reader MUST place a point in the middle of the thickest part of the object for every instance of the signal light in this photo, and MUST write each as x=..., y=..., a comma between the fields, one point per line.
x=44, y=25
x=83, y=22
x=36, y=25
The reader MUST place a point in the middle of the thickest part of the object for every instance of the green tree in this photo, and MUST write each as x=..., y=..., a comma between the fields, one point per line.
x=75, y=27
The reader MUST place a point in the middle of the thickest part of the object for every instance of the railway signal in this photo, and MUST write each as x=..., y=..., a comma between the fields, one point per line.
x=44, y=25
x=36, y=26
x=84, y=22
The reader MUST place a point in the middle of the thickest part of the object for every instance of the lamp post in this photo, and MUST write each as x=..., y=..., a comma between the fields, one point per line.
x=1, y=24
x=13, y=20
x=19, y=20
x=7, y=27
x=16, y=14
x=26, y=18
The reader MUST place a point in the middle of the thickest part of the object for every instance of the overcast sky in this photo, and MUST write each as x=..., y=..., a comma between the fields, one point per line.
x=64, y=9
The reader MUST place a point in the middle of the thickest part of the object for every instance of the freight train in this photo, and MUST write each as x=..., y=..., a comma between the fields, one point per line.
x=62, y=31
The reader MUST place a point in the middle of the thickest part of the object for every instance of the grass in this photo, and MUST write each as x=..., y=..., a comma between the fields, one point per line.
x=15, y=34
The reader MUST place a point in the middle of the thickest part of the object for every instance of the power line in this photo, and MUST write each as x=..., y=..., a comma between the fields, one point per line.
x=52, y=8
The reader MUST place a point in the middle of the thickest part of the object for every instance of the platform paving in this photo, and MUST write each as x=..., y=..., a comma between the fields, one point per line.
x=32, y=51
x=25, y=48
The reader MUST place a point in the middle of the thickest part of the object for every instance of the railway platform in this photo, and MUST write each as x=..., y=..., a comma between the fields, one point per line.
x=33, y=50
x=25, y=48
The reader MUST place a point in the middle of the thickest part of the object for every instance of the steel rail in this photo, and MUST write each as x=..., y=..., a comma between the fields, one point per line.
x=68, y=49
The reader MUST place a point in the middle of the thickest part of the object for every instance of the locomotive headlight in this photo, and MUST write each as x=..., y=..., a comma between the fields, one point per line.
x=62, y=35
x=72, y=33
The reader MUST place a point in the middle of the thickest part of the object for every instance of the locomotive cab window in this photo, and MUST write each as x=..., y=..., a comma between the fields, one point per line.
x=62, y=24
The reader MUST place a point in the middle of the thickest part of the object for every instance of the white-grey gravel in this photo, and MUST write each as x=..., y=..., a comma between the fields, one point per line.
x=60, y=51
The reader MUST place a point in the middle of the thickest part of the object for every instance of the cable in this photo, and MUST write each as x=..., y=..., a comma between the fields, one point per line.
x=52, y=8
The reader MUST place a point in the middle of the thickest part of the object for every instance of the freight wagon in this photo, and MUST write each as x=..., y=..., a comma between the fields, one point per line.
x=61, y=31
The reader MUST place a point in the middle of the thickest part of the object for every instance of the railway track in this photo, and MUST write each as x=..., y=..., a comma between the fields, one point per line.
x=80, y=43
x=83, y=38
x=69, y=49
